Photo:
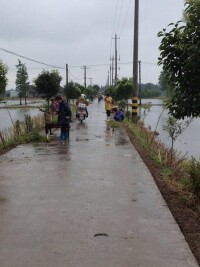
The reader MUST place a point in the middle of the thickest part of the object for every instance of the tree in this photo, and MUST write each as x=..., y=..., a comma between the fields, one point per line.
x=124, y=89
x=180, y=57
x=150, y=90
x=3, y=78
x=48, y=84
x=81, y=87
x=72, y=91
x=175, y=128
x=162, y=81
x=91, y=91
x=21, y=81
x=111, y=91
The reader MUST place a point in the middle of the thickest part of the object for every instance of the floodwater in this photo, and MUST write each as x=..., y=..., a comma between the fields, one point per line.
x=10, y=116
x=187, y=143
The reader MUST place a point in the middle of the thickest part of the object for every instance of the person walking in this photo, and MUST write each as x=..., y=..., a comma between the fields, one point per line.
x=108, y=105
x=64, y=115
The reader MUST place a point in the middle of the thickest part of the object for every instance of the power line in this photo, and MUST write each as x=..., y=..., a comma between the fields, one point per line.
x=113, y=27
x=71, y=66
x=120, y=14
x=125, y=17
x=75, y=78
x=131, y=62
x=115, y=17
x=33, y=60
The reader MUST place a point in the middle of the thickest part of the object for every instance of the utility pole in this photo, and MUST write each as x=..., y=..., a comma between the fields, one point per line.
x=116, y=57
x=108, y=78
x=112, y=70
x=135, y=64
x=140, y=85
x=84, y=67
x=67, y=81
x=110, y=75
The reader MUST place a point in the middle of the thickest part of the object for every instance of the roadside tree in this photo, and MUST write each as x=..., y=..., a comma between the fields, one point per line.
x=21, y=81
x=175, y=128
x=162, y=81
x=48, y=84
x=91, y=91
x=124, y=90
x=72, y=91
x=3, y=78
x=111, y=90
x=180, y=57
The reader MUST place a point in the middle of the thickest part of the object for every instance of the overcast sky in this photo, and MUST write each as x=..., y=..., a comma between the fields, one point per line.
x=80, y=33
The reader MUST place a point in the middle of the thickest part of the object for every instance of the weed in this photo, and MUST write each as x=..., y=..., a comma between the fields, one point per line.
x=23, y=132
x=187, y=199
x=185, y=173
x=167, y=172
x=185, y=182
x=195, y=175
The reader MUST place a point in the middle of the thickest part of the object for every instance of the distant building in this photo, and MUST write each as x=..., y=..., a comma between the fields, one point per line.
x=11, y=93
x=31, y=92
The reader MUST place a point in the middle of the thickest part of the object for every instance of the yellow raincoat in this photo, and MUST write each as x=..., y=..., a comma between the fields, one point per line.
x=108, y=102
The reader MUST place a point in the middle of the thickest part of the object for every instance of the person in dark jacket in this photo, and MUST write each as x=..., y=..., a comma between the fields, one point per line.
x=64, y=115
x=119, y=115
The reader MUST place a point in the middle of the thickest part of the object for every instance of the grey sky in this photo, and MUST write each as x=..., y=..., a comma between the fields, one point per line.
x=80, y=32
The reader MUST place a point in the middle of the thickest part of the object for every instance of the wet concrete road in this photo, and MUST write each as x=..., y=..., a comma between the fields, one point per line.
x=87, y=203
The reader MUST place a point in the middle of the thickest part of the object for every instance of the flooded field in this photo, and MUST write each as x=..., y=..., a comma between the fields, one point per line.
x=10, y=116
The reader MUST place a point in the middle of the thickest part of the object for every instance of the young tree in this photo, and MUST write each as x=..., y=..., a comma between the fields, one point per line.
x=111, y=90
x=21, y=81
x=81, y=87
x=3, y=78
x=180, y=57
x=72, y=91
x=91, y=91
x=48, y=84
x=175, y=128
x=124, y=89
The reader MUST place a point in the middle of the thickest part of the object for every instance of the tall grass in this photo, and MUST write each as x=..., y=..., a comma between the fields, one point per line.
x=23, y=132
x=181, y=172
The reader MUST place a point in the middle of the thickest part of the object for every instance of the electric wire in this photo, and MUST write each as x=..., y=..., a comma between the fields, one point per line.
x=120, y=14
x=113, y=30
x=128, y=7
x=33, y=60
x=116, y=6
x=75, y=78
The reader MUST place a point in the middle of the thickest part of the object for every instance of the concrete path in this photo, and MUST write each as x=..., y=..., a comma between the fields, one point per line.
x=88, y=203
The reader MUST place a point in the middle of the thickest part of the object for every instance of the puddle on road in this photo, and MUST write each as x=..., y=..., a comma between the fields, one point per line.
x=20, y=152
x=26, y=152
x=117, y=136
